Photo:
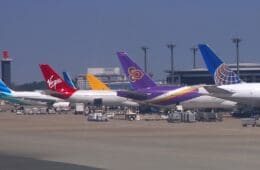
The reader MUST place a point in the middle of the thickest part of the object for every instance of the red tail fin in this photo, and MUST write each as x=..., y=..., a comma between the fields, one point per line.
x=55, y=82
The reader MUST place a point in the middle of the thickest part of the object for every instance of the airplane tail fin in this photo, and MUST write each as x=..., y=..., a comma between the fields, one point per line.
x=4, y=89
x=95, y=83
x=68, y=80
x=220, y=71
x=54, y=81
x=134, y=73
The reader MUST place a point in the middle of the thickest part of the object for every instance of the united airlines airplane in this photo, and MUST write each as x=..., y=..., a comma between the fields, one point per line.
x=228, y=84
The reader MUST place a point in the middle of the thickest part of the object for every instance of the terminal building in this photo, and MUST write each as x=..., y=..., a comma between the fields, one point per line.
x=110, y=76
x=6, y=68
x=248, y=72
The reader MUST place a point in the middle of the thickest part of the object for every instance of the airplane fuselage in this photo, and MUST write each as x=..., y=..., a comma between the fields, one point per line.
x=30, y=98
x=108, y=97
x=245, y=93
x=187, y=96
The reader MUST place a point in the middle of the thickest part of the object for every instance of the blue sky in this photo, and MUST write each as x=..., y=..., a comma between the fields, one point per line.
x=75, y=34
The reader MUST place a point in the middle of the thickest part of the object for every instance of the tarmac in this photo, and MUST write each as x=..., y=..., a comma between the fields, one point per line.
x=70, y=142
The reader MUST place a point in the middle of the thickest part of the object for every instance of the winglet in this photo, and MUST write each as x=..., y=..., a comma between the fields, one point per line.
x=136, y=76
x=95, y=83
x=220, y=71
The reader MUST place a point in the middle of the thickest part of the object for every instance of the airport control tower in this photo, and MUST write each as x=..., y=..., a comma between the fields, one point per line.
x=6, y=68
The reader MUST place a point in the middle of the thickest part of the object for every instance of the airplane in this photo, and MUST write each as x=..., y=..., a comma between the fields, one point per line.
x=26, y=97
x=228, y=84
x=68, y=80
x=95, y=83
x=146, y=91
x=90, y=97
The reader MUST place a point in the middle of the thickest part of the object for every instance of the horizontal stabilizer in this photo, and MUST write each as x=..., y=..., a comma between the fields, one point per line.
x=132, y=95
x=216, y=91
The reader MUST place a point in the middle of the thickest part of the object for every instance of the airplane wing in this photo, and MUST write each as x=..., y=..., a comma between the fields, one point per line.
x=22, y=101
x=47, y=100
x=135, y=95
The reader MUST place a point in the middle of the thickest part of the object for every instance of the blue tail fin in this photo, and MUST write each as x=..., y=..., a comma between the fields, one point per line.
x=220, y=71
x=134, y=73
x=68, y=80
x=4, y=89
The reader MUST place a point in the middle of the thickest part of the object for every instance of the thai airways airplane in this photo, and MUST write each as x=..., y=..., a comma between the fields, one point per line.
x=228, y=84
x=146, y=91
x=90, y=97
x=26, y=97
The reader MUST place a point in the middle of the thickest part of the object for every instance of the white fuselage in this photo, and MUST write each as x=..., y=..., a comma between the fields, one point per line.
x=34, y=98
x=200, y=102
x=245, y=93
x=208, y=102
x=108, y=97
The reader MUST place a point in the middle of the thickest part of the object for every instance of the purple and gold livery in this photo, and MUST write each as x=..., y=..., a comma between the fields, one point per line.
x=135, y=74
x=145, y=89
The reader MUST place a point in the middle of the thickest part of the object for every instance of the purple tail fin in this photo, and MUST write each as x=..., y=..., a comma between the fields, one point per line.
x=134, y=73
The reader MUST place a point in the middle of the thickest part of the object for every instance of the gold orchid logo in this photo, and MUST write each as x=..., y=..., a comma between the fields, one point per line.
x=135, y=74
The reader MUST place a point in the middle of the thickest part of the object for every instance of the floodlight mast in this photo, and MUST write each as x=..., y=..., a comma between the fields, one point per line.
x=171, y=47
x=194, y=51
x=144, y=48
x=236, y=41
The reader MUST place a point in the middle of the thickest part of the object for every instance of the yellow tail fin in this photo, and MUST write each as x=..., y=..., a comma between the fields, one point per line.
x=95, y=83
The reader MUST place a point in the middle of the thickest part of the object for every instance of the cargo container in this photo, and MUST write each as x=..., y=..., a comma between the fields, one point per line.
x=79, y=108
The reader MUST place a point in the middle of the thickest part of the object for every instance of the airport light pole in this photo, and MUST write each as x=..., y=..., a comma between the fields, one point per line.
x=171, y=46
x=144, y=48
x=236, y=41
x=194, y=51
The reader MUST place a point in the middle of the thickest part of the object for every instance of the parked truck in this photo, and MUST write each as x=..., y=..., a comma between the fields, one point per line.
x=98, y=116
x=248, y=121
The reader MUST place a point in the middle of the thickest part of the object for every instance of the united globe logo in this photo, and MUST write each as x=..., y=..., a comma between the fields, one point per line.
x=224, y=75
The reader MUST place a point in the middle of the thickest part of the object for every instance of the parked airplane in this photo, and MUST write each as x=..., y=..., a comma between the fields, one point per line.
x=90, y=97
x=146, y=91
x=228, y=84
x=68, y=80
x=26, y=97
x=95, y=83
